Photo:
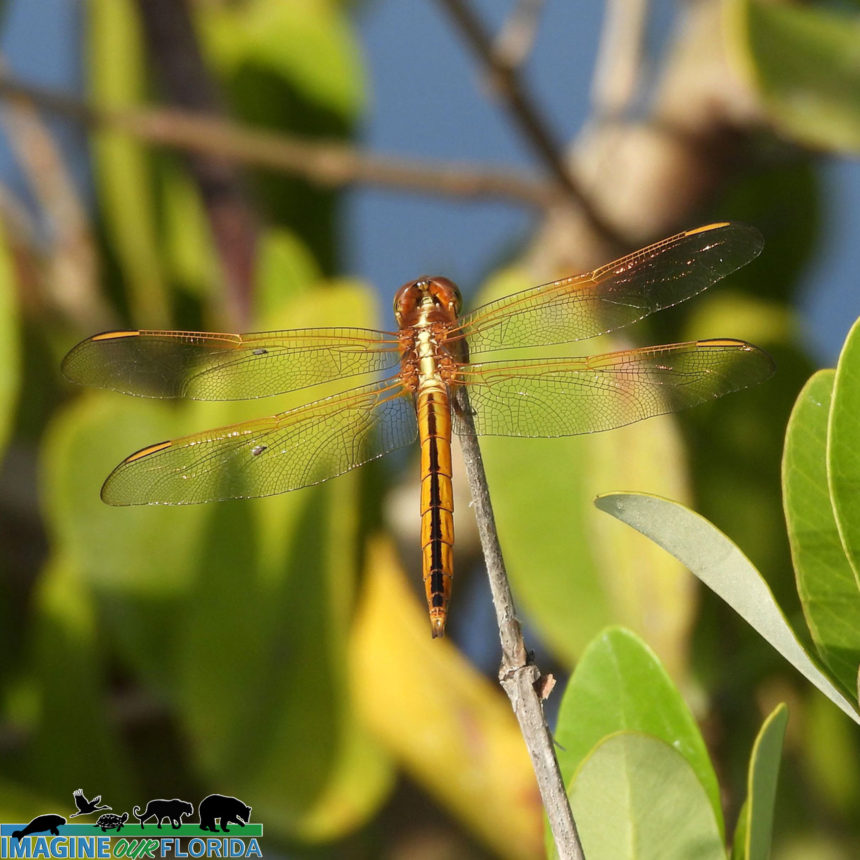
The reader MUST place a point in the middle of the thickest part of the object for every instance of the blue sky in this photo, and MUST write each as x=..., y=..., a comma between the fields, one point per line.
x=427, y=101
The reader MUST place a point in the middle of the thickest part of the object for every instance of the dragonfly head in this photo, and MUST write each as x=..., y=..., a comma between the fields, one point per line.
x=435, y=297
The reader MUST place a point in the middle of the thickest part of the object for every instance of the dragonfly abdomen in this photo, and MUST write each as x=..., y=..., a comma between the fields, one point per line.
x=437, y=500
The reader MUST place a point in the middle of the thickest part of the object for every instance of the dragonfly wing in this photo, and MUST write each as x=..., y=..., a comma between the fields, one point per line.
x=615, y=295
x=568, y=396
x=212, y=366
x=272, y=455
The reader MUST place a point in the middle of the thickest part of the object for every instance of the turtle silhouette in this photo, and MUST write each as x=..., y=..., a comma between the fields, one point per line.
x=85, y=807
x=111, y=821
x=41, y=824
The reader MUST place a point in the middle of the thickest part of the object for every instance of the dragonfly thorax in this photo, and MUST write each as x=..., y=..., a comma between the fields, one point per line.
x=427, y=299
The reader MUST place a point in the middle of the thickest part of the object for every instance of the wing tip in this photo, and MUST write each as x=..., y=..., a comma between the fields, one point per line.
x=749, y=231
x=766, y=364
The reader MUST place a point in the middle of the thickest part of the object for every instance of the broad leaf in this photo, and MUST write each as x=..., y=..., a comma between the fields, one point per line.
x=572, y=586
x=74, y=738
x=637, y=798
x=117, y=79
x=843, y=450
x=803, y=61
x=715, y=560
x=755, y=824
x=825, y=579
x=619, y=685
x=439, y=717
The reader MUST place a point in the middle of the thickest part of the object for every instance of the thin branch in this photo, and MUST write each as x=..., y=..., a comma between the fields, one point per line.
x=518, y=675
x=524, y=111
x=327, y=164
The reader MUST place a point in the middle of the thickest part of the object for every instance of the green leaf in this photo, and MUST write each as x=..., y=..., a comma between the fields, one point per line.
x=740, y=842
x=190, y=260
x=309, y=44
x=803, y=62
x=555, y=581
x=574, y=585
x=293, y=68
x=9, y=348
x=843, y=450
x=619, y=685
x=755, y=825
x=277, y=576
x=637, y=797
x=825, y=579
x=74, y=738
x=830, y=758
x=138, y=561
x=117, y=79
x=717, y=562
x=236, y=614
x=285, y=269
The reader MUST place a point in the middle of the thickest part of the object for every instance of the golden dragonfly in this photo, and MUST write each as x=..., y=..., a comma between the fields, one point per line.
x=430, y=356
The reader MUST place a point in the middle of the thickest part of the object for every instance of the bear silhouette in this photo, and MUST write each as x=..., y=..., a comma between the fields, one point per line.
x=227, y=809
x=43, y=824
x=173, y=810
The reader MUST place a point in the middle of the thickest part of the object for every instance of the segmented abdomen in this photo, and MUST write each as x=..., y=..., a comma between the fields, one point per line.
x=437, y=500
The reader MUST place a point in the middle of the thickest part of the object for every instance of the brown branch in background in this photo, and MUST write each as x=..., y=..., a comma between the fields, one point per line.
x=519, y=676
x=327, y=164
x=65, y=275
x=657, y=173
x=524, y=111
x=175, y=54
x=517, y=37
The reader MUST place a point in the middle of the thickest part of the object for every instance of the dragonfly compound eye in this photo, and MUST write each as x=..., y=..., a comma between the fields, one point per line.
x=446, y=293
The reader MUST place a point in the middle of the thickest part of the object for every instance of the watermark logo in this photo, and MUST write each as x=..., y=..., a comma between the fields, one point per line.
x=162, y=829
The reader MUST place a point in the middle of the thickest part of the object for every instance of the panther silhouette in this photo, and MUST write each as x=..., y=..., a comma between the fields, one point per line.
x=173, y=810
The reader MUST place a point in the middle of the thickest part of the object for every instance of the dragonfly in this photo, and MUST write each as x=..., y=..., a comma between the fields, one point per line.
x=412, y=377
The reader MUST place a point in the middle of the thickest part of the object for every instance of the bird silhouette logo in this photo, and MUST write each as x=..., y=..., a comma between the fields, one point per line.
x=85, y=807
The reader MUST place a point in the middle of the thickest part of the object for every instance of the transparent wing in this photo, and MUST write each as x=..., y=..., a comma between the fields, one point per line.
x=568, y=396
x=615, y=295
x=213, y=366
x=272, y=455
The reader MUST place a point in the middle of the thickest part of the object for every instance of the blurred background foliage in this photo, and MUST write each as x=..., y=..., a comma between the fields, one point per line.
x=278, y=649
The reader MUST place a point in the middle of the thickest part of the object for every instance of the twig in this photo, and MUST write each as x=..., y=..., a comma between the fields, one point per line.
x=328, y=164
x=518, y=675
x=524, y=111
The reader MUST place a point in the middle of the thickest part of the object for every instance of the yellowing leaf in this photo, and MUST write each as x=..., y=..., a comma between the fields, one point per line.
x=444, y=722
